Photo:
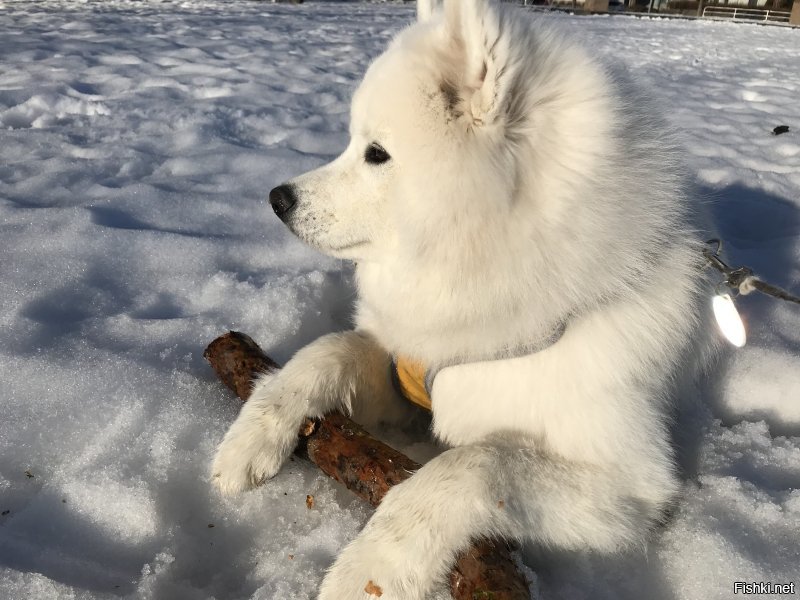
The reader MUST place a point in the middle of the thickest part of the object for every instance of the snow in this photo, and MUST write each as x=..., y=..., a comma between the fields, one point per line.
x=138, y=142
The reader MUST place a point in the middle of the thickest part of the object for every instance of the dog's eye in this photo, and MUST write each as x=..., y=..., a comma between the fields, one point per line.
x=375, y=155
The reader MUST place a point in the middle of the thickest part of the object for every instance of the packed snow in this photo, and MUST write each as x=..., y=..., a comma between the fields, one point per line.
x=138, y=142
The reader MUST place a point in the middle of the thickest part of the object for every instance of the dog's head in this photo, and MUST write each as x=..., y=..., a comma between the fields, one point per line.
x=428, y=113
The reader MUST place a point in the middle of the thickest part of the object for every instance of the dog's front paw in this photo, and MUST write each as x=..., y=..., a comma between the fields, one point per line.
x=359, y=574
x=370, y=568
x=255, y=447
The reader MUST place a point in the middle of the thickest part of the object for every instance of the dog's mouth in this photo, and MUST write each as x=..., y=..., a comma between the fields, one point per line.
x=348, y=246
x=342, y=250
x=316, y=237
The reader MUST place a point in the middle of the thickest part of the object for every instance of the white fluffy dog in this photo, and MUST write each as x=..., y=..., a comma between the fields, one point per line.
x=521, y=229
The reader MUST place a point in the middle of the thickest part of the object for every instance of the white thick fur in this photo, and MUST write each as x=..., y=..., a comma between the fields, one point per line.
x=527, y=186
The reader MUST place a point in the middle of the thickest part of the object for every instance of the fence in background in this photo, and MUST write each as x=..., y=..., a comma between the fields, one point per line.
x=746, y=14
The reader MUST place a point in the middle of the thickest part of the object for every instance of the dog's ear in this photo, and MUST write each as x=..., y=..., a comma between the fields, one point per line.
x=481, y=77
x=426, y=9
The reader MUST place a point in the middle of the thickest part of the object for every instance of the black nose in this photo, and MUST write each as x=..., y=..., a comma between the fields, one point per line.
x=282, y=199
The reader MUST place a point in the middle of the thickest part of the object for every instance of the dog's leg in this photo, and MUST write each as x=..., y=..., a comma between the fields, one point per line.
x=347, y=371
x=411, y=542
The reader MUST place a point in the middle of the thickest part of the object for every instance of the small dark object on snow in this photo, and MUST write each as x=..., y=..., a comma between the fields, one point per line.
x=367, y=467
x=28, y=474
x=4, y=513
x=780, y=129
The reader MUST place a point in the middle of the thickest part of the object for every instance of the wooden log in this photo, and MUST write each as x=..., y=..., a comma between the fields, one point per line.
x=368, y=467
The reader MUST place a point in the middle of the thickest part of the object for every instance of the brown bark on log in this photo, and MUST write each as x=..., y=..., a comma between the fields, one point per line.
x=368, y=467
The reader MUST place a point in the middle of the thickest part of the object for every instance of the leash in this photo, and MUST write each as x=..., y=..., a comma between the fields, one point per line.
x=743, y=279
x=740, y=281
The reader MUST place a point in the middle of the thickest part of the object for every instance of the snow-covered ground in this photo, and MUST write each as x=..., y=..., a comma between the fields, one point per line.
x=138, y=142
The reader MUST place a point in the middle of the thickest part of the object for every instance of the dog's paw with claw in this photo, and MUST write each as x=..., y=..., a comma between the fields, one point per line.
x=369, y=569
x=255, y=448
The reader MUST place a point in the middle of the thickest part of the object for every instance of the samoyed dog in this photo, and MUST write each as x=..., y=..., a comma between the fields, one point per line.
x=523, y=237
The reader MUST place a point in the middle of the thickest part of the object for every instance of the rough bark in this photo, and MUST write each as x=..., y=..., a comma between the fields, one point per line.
x=367, y=467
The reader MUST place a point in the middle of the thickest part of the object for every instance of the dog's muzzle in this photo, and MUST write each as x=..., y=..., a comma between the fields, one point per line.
x=283, y=200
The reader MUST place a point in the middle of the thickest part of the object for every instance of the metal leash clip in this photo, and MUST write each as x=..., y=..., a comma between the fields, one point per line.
x=741, y=280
